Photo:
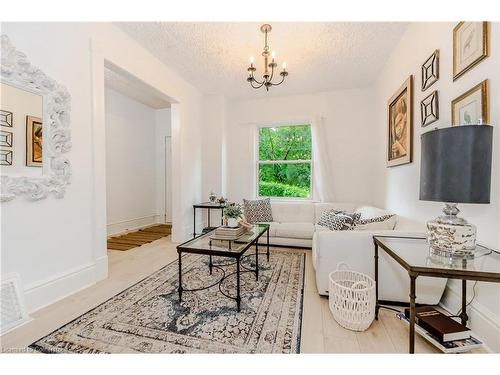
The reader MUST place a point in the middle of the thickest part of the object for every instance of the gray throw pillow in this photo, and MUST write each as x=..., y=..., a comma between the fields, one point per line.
x=258, y=211
x=336, y=220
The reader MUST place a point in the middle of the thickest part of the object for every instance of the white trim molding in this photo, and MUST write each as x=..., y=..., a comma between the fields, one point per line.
x=136, y=223
x=18, y=71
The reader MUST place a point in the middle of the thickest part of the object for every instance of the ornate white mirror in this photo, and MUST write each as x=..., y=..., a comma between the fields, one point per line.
x=34, y=129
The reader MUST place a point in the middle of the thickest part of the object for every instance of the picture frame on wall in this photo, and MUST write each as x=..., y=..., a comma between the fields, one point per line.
x=400, y=125
x=5, y=138
x=6, y=118
x=429, y=109
x=430, y=70
x=5, y=157
x=471, y=45
x=34, y=141
x=472, y=107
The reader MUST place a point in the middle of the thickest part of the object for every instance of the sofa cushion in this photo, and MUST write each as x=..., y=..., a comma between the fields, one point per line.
x=258, y=211
x=295, y=230
x=293, y=212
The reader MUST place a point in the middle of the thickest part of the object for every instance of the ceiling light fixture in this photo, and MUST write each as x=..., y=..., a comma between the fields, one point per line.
x=267, y=76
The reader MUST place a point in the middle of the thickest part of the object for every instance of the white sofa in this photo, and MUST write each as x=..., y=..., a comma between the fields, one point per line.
x=295, y=225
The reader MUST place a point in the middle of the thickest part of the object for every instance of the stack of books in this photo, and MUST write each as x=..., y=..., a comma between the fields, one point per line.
x=442, y=331
x=227, y=233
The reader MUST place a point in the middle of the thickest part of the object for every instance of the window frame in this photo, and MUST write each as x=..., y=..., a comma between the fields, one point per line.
x=258, y=162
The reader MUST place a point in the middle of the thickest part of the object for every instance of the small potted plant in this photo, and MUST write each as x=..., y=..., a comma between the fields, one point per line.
x=232, y=213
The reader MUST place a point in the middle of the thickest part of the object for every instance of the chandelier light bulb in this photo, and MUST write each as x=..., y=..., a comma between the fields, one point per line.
x=273, y=54
x=284, y=65
x=252, y=59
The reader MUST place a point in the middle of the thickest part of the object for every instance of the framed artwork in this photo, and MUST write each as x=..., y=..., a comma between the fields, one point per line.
x=5, y=157
x=400, y=125
x=429, y=109
x=471, y=108
x=471, y=44
x=6, y=118
x=430, y=70
x=34, y=141
x=5, y=139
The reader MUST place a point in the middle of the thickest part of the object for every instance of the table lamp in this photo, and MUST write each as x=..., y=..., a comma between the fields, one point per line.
x=455, y=168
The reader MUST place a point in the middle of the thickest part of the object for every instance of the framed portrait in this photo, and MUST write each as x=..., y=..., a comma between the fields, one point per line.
x=471, y=108
x=471, y=44
x=400, y=125
x=430, y=70
x=429, y=109
x=6, y=118
x=34, y=141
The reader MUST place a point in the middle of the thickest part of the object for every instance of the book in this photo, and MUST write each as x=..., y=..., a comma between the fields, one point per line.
x=227, y=233
x=456, y=346
x=441, y=326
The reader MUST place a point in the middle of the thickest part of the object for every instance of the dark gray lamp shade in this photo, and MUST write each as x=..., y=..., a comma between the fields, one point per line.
x=456, y=164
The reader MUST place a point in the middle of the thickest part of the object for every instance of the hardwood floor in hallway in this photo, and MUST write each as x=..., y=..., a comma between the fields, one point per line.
x=320, y=332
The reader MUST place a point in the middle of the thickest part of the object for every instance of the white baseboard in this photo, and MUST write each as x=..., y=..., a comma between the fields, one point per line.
x=137, y=223
x=482, y=320
x=51, y=290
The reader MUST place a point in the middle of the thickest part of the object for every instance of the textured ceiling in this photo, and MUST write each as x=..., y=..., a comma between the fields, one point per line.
x=134, y=88
x=320, y=56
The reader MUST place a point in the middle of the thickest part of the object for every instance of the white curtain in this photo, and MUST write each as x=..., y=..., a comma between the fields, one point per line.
x=322, y=176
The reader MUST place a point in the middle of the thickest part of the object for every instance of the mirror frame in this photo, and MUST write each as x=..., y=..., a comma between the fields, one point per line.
x=56, y=174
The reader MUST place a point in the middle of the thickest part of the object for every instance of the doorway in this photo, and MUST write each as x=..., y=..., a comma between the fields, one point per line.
x=138, y=154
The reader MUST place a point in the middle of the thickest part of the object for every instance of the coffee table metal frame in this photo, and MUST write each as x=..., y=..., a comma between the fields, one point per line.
x=236, y=255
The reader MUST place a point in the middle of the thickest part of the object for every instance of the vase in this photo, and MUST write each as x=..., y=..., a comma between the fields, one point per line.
x=232, y=222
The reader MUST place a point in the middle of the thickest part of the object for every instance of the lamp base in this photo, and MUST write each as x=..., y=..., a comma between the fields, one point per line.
x=451, y=236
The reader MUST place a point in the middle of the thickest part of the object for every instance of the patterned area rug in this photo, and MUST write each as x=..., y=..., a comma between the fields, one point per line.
x=147, y=317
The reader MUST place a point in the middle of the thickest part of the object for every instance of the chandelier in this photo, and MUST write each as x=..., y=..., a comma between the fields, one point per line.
x=267, y=77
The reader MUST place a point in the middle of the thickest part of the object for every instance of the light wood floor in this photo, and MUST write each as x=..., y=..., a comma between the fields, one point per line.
x=320, y=332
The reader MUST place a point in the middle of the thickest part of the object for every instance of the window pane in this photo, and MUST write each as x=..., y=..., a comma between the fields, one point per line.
x=285, y=143
x=285, y=180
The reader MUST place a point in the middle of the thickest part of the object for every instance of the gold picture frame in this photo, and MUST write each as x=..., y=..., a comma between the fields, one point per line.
x=34, y=141
x=475, y=37
x=476, y=100
x=400, y=125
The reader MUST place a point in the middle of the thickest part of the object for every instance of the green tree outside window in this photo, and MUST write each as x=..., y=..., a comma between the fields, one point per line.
x=285, y=155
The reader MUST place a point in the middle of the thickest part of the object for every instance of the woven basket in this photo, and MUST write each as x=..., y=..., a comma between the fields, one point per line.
x=351, y=298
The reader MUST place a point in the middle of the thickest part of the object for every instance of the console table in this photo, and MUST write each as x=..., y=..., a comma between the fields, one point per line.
x=413, y=255
x=208, y=206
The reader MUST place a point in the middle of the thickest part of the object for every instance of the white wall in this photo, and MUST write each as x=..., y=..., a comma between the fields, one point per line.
x=131, y=173
x=21, y=103
x=349, y=130
x=58, y=246
x=398, y=188
x=163, y=160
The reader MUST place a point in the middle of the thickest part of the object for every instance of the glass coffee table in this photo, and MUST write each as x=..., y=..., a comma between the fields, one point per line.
x=235, y=249
x=413, y=254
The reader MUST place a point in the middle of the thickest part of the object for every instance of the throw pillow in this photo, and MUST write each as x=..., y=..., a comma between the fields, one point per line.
x=258, y=211
x=335, y=220
x=380, y=222
x=351, y=218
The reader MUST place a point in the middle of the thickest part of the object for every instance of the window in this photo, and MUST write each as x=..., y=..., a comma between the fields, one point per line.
x=284, y=161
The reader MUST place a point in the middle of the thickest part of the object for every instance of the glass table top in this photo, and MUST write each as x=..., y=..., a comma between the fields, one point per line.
x=206, y=243
x=415, y=252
